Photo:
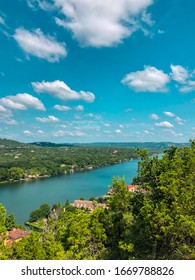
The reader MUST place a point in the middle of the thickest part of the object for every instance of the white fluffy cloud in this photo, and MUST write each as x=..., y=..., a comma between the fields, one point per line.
x=179, y=120
x=37, y=44
x=4, y=112
x=62, y=91
x=188, y=87
x=62, y=108
x=179, y=73
x=10, y=122
x=5, y=116
x=154, y=117
x=148, y=80
x=28, y=132
x=22, y=101
x=184, y=77
x=169, y=114
x=79, y=108
x=164, y=124
x=2, y=21
x=61, y=133
x=101, y=23
x=43, y=4
x=148, y=132
x=50, y=119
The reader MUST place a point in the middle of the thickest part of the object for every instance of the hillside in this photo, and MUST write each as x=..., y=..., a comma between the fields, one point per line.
x=155, y=222
x=133, y=145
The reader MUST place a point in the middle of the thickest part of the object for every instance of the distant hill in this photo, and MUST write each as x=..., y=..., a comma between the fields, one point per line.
x=135, y=145
x=52, y=145
x=141, y=145
x=6, y=143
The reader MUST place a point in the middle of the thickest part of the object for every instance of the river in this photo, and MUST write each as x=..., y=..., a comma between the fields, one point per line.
x=23, y=197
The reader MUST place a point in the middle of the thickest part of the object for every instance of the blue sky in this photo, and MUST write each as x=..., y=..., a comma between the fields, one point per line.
x=89, y=71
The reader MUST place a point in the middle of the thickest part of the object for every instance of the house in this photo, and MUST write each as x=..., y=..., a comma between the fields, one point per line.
x=88, y=204
x=15, y=235
x=132, y=188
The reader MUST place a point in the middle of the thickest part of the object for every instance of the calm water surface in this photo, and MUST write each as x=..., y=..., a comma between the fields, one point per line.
x=24, y=197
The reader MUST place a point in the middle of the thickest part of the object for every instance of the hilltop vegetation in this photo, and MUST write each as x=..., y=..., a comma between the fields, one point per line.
x=19, y=161
x=134, y=145
x=155, y=222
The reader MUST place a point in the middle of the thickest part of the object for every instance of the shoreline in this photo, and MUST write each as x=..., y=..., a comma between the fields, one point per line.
x=38, y=177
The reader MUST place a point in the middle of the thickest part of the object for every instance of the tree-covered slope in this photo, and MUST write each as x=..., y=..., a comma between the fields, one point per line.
x=155, y=222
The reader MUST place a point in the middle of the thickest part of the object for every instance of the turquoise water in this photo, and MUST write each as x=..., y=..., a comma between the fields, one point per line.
x=24, y=197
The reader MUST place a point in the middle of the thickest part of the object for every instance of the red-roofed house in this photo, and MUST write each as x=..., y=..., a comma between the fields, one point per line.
x=131, y=188
x=15, y=235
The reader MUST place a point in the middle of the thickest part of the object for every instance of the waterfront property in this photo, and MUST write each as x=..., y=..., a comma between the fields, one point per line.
x=88, y=204
x=15, y=235
x=22, y=198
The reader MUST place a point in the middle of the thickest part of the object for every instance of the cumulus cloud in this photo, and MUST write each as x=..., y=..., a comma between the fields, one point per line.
x=80, y=133
x=62, y=91
x=90, y=115
x=148, y=80
x=5, y=116
x=179, y=120
x=58, y=133
x=2, y=20
x=148, y=132
x=7, y=102
x=154, y=117
x=170, y=131
x=4, y=112
x=62, y=133
x=160, y=31
x=169, y=114
x=164, y=124
x=62, y=108
x=179, y=73
x=43, y=4
x=175, y=133
x=22, y=101
x=112, y=20
x=28, y=132
x=188, y=87
x=50, y=119
x=184, y=77
x=10, y=122
x=79, y=108
x=107, y=124
x=37, y=44
x=118, y=131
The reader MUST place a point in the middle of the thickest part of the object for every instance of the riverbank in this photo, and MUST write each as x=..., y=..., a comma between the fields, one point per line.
x=21, y=198
x=30, y=177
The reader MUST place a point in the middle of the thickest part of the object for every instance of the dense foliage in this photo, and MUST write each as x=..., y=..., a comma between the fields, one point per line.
x=42, y=212
x=155, y=222
x=22, y=161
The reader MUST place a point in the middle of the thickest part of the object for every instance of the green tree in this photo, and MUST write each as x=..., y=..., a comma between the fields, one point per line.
x=37, y=246
x=118, y=220
x=164, y=221
x=10, y=222
x=16, y=173
x=2, y=222
x=44, y=210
